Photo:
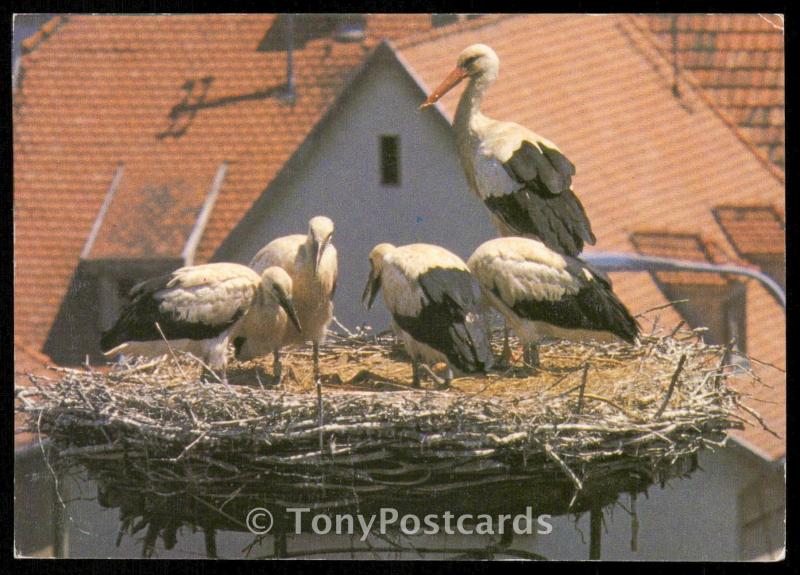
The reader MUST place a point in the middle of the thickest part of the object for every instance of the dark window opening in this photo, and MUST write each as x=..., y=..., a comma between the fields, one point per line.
x=390, y=160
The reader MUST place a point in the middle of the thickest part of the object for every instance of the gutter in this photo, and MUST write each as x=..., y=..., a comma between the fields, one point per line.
x=622, y=262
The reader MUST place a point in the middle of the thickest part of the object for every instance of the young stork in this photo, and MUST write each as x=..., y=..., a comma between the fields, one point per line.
x=542, y=293
x=311, y=261
x=429, y=292
x=201, y=303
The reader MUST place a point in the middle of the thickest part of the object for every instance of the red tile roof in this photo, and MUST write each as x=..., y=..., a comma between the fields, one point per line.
x=151, y=214
x=600, y=88
x=739, y=61
x=170, y=97
x=753, y=230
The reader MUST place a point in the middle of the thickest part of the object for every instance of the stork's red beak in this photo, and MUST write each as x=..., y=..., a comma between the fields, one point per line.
x=453, y=78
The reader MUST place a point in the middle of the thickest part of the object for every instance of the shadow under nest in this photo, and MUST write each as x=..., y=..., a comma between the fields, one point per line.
x=593, y=422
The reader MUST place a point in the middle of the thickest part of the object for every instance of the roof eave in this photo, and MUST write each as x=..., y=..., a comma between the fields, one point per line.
x=756, y=453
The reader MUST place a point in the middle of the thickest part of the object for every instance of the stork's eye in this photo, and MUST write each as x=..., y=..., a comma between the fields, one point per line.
x=470, y=61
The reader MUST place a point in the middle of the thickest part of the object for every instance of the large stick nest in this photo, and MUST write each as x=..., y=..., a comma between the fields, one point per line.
x=594, y=421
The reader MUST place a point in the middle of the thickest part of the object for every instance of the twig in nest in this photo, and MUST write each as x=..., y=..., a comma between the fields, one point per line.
x=612, y=404
x=659, y=307
x=722, y=361
x=677, y=328
x=759, y=419
x=584, y=377
x=171, y=351
x=672, y=384
x=188, y=448
x=766, y=363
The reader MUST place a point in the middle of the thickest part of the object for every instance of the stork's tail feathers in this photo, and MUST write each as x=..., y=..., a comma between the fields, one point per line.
x=619, y=320
x=471, y=351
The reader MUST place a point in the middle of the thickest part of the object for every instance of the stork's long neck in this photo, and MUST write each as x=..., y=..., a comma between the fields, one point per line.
x=469, y=107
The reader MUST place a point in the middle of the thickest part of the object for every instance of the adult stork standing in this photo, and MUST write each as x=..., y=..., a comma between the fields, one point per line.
x=522, y=178
x=202, y=304
x=542, y=293
x=429, y=292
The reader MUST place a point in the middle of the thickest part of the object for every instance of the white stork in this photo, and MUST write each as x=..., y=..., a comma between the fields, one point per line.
x=522, y=178
x=200, y=303
x=545, y=294
x=429, y=292
x=311, y=261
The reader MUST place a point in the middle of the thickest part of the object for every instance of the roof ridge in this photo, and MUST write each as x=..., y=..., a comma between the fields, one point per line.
x=43, y=33
x=462, y=26
x=689, y=78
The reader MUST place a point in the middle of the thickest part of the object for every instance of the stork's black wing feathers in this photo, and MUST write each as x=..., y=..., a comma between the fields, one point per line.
x=448, y=321
x=552, y=168
x=560, y=162
x=544, y=206
x=595, y=306
x=137, y=321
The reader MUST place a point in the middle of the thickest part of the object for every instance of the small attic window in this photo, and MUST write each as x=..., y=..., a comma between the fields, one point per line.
x=390, y=159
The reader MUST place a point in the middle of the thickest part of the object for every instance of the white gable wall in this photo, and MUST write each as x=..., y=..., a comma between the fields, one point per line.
x=340, y=177
x=693, y=519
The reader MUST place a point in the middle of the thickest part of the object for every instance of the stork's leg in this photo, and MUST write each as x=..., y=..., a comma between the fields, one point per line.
x=437, y=380
x=318, y=383
x=214, y=375
x=277, y=368
x=531, y=351
x=216, y=355
x=315, y=359
x=505, y=357
x=415, y=380
x=448, y=378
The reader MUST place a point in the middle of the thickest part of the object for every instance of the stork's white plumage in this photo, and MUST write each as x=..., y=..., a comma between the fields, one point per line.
x=311, y=261
x=429, y=292
x=544, y=294
x=198, y=303
x=271, y=318
x=522, y=178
